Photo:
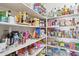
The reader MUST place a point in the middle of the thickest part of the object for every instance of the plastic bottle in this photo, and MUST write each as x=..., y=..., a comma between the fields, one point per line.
x=24, y=18
x=75, y=8
x=65, y=10
x=71, y=9
x=11, y=19
x=78, y=8
x=52, y=12
x=55, y=12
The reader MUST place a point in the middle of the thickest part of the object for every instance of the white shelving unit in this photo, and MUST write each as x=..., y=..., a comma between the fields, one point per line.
x=24, y=7
x=14, y=48
x=15, y=7
x=67, y=40
x=16, y=25
x=62, y=27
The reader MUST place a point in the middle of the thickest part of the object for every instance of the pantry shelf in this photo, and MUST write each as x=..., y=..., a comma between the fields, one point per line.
x=63, y=48
x=14, y=48
x=38, y=51
x=63, y=16
x=16, y=25
x=52, y=26
x=68, y=40
x=63, y=27
x=73, y=40
x=42, y=27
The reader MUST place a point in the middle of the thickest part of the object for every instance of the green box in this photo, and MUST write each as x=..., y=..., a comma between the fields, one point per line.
x=3, y=13
x=77, y=46
x=3, y=17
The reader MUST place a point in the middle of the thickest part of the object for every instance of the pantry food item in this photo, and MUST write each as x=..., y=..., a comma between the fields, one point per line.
x=42, y=33
x=62, y=44
x=39, y=8
x=77, y=46
x=63, y=52
x=67, y=45
x=21, y=52
x=3, y=16
x=37, y=22
x=73, y=53
x=56, y=51
x=42, y=23
x=49, y=52
x=72, y=46
x=25, y=19
x=65, y=10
